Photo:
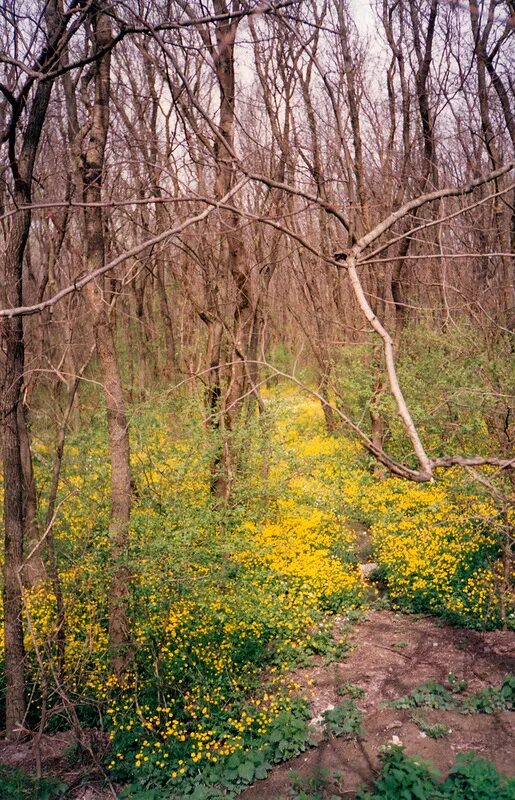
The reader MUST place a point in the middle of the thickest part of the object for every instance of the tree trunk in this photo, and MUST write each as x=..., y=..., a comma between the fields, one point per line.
x=34, y=568
x=12, y=336
x=22, y=169
x=118, y=433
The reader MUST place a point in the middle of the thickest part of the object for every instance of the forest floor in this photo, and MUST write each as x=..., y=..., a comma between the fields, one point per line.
x=391, y=655
x=289, y=563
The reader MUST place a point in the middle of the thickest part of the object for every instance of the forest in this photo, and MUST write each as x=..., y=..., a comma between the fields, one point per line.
x=257, y=420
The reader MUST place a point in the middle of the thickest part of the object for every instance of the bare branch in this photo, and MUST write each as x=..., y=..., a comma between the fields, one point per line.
x=23, y=311
x=418, y=202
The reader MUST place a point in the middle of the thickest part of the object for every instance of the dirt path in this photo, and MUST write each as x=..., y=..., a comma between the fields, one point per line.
x=393, y=654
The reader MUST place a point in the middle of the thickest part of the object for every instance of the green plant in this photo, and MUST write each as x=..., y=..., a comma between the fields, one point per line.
x=428, y=695
x=409, y=778
x=457, y=684
x=435, y=730
x=241, y=593
x=351, y=690
x=17, y=785
x=345, y=718
x=492, y=698
x=245, y=767
x=402, y=778
x=474, y=778
x=315, y=786
x=133, y=792
x=309, y=788
x=289, y=735
x=72, y=755
x=381, y=602
x=323, y=643
x=486, y=701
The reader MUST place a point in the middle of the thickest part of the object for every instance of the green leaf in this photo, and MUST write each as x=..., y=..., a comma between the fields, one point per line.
x=246, y=771
x=233, y=761
x=261, y=772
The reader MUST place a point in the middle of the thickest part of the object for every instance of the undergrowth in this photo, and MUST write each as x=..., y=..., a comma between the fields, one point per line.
x=17, y=785
x=489, y=700
x=403, y=777
x=225, y=601
x=409, y=778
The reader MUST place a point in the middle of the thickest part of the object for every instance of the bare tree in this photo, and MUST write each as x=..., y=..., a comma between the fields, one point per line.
x=19, y=502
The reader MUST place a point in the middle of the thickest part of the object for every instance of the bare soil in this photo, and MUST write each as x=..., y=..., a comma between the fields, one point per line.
x=392, y=654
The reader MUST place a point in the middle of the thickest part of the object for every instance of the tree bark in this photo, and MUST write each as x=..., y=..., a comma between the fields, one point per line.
x=22, y=169
x=34, y=568
x=118, y=432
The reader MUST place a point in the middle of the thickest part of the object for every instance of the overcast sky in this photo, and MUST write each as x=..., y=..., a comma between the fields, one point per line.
x=362, y=14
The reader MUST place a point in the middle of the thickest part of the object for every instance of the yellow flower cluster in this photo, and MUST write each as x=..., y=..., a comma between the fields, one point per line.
x=439, y=547
x=299, y=547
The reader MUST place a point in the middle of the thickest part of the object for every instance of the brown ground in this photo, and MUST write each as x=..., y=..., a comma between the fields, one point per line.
x=393, y=653
x=387, y=671
x=58, y=756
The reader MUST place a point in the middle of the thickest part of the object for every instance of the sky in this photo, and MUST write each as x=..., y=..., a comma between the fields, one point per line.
x=362, y=14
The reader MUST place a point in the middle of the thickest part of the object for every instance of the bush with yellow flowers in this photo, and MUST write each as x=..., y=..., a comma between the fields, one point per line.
x=439, y=548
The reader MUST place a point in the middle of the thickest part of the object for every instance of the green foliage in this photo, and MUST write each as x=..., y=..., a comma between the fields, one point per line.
x=323, y=643
x=225, y=600
x=408, y=778
x=438, y=547
x=239, y=770
x=17, y=785
x=486, y=701
x=435, y=730
x=315, y=786
x=457, y=684
x=474, y=778
x=343, y=719
x=402, y=778
x=492, y=698
x=287, y=736
x=465, y=382
x=351, y=690
x=429, y=695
